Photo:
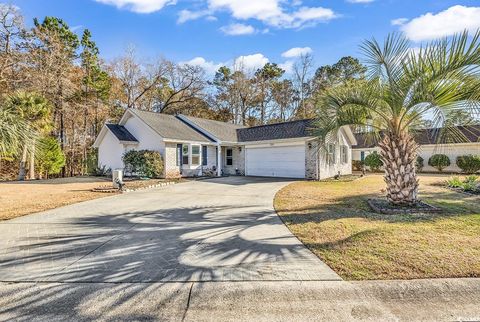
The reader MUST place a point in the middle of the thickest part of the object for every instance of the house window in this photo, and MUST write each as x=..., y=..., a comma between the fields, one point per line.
x=179, y=154
x=204, y=155
x=229, y=156
x=195, y=154
x=344, y=154
x=185, y=153
x=362, y=156
x=331, y=157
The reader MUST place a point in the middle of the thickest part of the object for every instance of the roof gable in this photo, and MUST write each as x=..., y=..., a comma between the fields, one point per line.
x=223, y=131
x=169, y=126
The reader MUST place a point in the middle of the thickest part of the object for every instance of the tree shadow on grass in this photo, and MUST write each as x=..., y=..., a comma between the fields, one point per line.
x=451, y=203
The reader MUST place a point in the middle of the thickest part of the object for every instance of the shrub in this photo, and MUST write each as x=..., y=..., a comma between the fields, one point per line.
x=50, y=158
x=152, y=166
x=439, y=161
x=454, y=182
x=373, y=161
x=419, y=164
x=470, y=183
x=469, y=163
x=133, y=161
x=92, y=161
x=471, y=179
x=102, y=171
x=144, y=162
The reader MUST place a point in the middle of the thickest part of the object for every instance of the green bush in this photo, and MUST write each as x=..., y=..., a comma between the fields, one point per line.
x=144, y=162
x=92, y=161
x=439, y=161
x=469, y=163
x=419, y=164
x=373, y=161
x=470, y=183
x=133, y=161
x=50, y=158
x=153, y=164
x=454, y=182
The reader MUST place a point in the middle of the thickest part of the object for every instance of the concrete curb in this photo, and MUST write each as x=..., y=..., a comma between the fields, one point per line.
x=163, y=184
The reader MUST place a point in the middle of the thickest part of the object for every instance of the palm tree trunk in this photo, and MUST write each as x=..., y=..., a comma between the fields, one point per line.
x=23, y=162
x=32, y=164
x=399, y=152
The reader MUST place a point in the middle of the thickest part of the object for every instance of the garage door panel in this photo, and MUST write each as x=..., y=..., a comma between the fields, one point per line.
x=284, y=161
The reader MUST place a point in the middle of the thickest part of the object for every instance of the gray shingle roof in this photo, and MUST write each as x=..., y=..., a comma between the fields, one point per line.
x=223, y=131
x=285, y=130
x=170, y=127
x=469, y=134
x=121, y=133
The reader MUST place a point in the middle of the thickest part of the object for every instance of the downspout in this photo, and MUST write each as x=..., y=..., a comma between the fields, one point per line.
x=317, y=162
x=219, y=160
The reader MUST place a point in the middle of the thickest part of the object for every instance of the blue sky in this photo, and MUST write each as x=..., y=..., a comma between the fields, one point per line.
x=217, y=31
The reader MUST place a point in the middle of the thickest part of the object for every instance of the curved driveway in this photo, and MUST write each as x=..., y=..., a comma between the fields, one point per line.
x=211, y=230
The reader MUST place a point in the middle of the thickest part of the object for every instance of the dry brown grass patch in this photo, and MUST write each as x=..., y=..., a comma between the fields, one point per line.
x=335, y=222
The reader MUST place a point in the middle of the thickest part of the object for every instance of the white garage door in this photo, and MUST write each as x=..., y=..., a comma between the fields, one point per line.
x=281, y=161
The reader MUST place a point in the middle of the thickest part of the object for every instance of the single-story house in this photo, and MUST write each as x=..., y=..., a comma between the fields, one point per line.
x=431, y=141
x=193, y=146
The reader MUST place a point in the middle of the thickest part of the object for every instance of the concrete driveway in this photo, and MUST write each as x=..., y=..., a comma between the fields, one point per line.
x=212, y=230
x=210, y=250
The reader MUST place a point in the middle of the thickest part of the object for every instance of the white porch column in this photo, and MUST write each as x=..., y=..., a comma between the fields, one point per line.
x=219, y=161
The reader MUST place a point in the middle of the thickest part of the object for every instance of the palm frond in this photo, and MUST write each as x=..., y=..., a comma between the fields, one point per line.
x=14, y=133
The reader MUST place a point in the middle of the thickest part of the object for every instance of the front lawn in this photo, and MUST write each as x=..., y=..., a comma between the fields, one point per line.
x=26, y=197
x=334, y=221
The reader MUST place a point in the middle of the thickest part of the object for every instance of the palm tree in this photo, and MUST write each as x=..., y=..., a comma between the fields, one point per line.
x=35, y=110
x=13, y=132
x=403, y=87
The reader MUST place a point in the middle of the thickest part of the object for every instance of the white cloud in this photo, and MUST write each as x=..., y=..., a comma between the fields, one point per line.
x=275, y=13
x=287, y=66
x=307, y=16
x=139, y=6
x=445, y=23
x=398, y=21
x=186, y=15
x=250, y=62
x=247, y=63
x=209, y=66
x=271, y=12
x=237, y=29
x=360, y=1
x=297, y=52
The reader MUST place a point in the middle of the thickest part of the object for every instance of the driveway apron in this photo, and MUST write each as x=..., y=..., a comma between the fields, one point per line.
x=222, y=229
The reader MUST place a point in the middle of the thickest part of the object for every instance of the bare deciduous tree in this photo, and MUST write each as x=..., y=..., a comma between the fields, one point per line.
x=302, y=70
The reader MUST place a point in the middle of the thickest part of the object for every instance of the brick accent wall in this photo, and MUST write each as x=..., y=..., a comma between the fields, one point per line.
x=311, y=155
x=170, y=159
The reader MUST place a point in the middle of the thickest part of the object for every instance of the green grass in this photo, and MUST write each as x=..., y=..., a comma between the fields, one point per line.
x=335, y=222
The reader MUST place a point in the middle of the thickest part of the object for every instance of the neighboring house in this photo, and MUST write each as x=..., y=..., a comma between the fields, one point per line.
x=431, y=141
x=193, y=146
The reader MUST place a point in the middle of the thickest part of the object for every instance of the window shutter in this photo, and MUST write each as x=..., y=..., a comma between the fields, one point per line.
x=204, y=155
x=179, y=154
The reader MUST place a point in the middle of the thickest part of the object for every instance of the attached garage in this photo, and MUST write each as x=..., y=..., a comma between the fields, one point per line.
x=276, y=161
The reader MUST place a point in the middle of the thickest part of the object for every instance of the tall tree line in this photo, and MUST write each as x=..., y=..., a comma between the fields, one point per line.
x=55, y=86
